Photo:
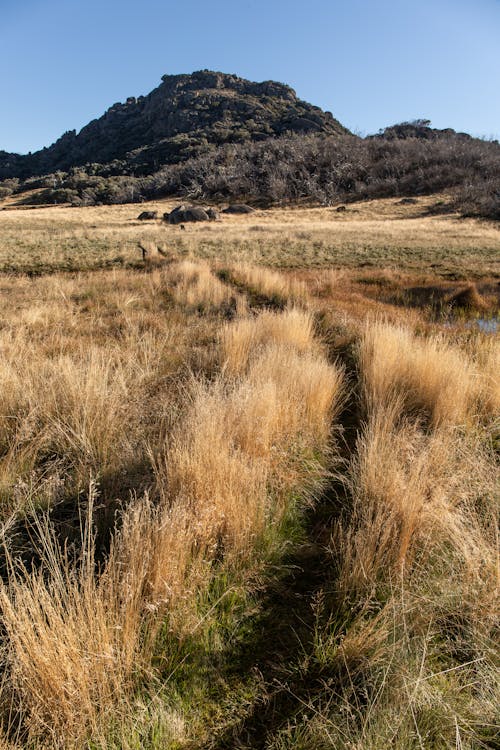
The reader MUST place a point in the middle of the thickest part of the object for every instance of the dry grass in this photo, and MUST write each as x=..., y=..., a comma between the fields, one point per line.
x=240, y=340
x=376, y=233
x=485, y=352
x=84, y=381
x=236, y=439
x=65, y=641
x=434, y=379
x=421, y=460
x=414, y=496
x=97, y=389
x=242, y=437
x=195, y=286
x=275, y=287
x=78, y=640
x=417, y=554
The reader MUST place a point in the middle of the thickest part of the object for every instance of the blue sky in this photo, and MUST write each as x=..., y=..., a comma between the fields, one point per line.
x=370, y=62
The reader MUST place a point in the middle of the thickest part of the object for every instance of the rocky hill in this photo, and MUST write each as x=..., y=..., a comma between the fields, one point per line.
x=185, y=116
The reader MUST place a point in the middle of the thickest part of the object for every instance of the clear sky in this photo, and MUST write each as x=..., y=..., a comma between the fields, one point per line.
x=370, y=62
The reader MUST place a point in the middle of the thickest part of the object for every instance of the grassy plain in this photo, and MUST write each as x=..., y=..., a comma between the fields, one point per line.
x=368, y=235
x=244, y=507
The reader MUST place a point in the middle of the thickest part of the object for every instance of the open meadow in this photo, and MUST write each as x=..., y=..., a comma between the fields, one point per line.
x=372, y=234
x=249, y=485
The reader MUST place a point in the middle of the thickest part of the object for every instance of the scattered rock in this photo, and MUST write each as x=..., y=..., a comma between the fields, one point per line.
x=176, y=216
x=407, y=202
x=238, y=208
x=341, y=209
x=194, y=213
x=146, y=215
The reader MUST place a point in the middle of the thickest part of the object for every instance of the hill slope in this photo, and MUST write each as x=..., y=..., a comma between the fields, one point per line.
x=185, y=116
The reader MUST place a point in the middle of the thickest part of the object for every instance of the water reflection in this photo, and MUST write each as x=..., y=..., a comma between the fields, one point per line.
x=486, y=325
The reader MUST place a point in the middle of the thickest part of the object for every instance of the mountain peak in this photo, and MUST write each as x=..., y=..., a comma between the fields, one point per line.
x=186, y=115
x=212, y=79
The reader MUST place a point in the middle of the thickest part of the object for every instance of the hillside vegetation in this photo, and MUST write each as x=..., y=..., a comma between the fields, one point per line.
x=216, y=137
x=317, y=169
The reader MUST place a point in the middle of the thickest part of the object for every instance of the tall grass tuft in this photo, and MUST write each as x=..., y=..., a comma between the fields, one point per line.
x=278, y=288
x=240, y=341
x=433, y=379
x=81, y=639
x=416, y=557
x=193, y=285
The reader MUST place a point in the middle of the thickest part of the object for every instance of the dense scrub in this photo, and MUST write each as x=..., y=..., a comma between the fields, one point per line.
x=317, y=168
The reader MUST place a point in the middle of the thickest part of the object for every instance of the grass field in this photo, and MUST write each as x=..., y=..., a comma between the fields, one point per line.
x=368, y=235
x=249, y=491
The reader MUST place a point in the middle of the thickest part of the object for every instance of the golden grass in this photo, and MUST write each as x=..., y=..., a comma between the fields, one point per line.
x=86, y=381
x=65, y=639
x=237, y=440
x=414, y=496
x=433, y=378
x=245, y=448
x=416, y=556
x=240, y=341
x=274, y=286
x=420, y=460
x=238, y=433
x=195, y=286
x=485, y=352
x=437, y=380
x=378, y=233
x=97, y=390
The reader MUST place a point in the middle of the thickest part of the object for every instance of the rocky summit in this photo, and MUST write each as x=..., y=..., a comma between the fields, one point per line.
x=186, y=115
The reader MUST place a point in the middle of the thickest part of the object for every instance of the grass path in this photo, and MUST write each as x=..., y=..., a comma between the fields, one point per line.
x=245, y=597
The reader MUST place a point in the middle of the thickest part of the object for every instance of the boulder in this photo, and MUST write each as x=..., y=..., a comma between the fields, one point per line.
x=238, y=208
x=176, y=216
x=145, y=215
x=212, y=214
x=195, y=213
x=182, y=214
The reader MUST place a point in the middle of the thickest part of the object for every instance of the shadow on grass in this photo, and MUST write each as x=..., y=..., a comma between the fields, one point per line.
x=280, y=643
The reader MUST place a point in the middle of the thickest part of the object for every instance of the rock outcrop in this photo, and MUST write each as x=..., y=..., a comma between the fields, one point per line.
x=185, y=116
